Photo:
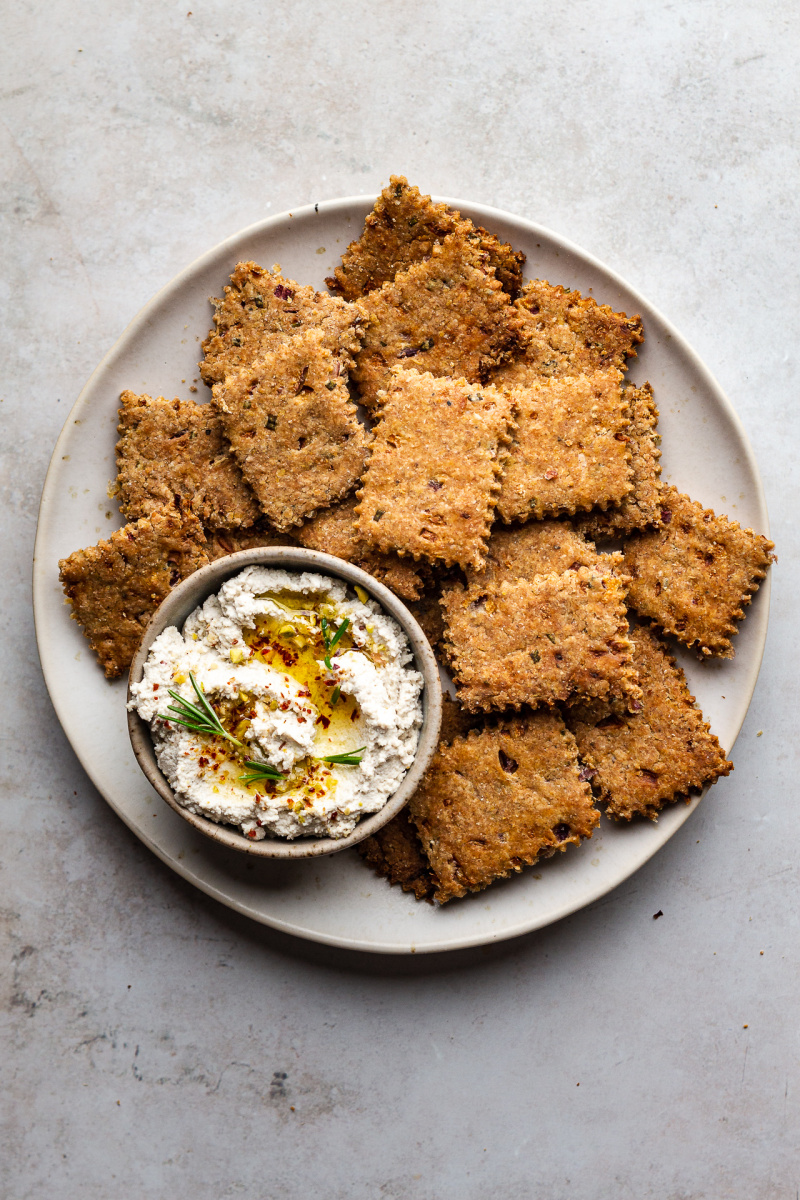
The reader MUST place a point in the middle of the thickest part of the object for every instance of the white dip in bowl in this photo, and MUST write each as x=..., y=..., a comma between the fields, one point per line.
x=298, y=670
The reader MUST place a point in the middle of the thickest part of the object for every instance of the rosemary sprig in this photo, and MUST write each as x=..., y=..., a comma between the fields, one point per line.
x=200, y=718
x=259, y=772
x=337, y=691
x=351, y=759
x=330, y=642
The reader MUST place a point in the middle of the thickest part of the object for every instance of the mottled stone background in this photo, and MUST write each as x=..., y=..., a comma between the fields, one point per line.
x=154, y=1043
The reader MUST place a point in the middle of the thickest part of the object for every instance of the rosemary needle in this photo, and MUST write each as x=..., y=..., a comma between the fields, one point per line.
x=330, y=642
x=259, y=772
x=351, y=759
x=200, y=718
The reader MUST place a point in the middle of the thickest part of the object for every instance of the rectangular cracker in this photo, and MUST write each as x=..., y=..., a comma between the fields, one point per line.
x=640, y=762
x=402, y=229
x=642, y=506
x=536, y=548
x=175, y=452
x=557, y=638
x=394, y=852
x=448, y=314
x=260, y=309
x=501, y=799
x=562, y=333
x=293, y=428
x=571, y=447
x=116, y=586
x=333, y=531
x=694, y=576
x=433, y=471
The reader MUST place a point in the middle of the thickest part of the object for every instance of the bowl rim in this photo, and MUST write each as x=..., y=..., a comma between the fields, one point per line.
x=193, y=591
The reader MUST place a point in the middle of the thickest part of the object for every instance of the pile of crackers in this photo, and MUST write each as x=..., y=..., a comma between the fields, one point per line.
x=468, y=439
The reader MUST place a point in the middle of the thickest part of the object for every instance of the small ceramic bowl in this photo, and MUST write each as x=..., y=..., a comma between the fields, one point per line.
x=184, y=598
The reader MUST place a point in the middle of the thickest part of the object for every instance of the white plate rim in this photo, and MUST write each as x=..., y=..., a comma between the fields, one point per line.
x=41, y=569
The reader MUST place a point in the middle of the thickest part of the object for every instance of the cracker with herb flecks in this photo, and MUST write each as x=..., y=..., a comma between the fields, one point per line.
x=260, y=309
x=175, y=452
x=402, y=229
x=333, y=531
x=642, y=506
x=535, y=548
x=448, y=314
x=562, y=332
x=694, y=576
x=642, y=761
x=293, y=428
x=571, y=447
x=555, y=638
x=220, y=543
x=496, y=801
x=433, y=472
x=116, y=586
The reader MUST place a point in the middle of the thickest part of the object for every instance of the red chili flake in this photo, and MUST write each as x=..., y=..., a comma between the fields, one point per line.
x=323, y=721
x=203, y=762
x=551, y=473
x=156, y=687
x=506, y=762
x=283, y=292
x=251, y=833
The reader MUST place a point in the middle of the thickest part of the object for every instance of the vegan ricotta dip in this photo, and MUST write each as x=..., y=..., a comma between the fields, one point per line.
x=286, y=706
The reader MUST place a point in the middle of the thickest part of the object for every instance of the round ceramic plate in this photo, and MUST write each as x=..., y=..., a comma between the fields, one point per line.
x=338, y=900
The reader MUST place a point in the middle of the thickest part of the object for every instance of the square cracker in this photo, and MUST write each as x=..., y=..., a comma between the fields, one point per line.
x=562, y=332
x=402, y=229
x=433, y=471
x=175, y=452
x=642, y=506
x=449, y=314
x=260, y=309
x=571, y=447
x=333, y=531
x=536, y=548
x=499, y=800
x=556, y=638
x=116, y=586
x=642, y=761
x=293, y=428
x=394, y=852
x=694, y=576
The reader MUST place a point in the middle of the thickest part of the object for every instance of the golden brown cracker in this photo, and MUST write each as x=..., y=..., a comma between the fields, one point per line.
x=293, y=428
x=694, y=576
x=402, y=229
x=536, y=548
x=565, y=333
x=571, y=449
x=260, y=309
x=501, y=799
x=175, y=452
x=333, y=531
x=642, y=506
x=555, y=638
x=394, y=853
x=427, y=611
x=640, y=762
x=116, y=586
x=433, y=471
x=448, y=314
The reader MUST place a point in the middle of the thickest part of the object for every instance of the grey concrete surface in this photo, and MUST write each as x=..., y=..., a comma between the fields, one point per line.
x=153, y=1043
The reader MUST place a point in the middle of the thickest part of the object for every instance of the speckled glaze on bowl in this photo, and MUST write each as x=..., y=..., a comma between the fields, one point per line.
x=183, y=599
